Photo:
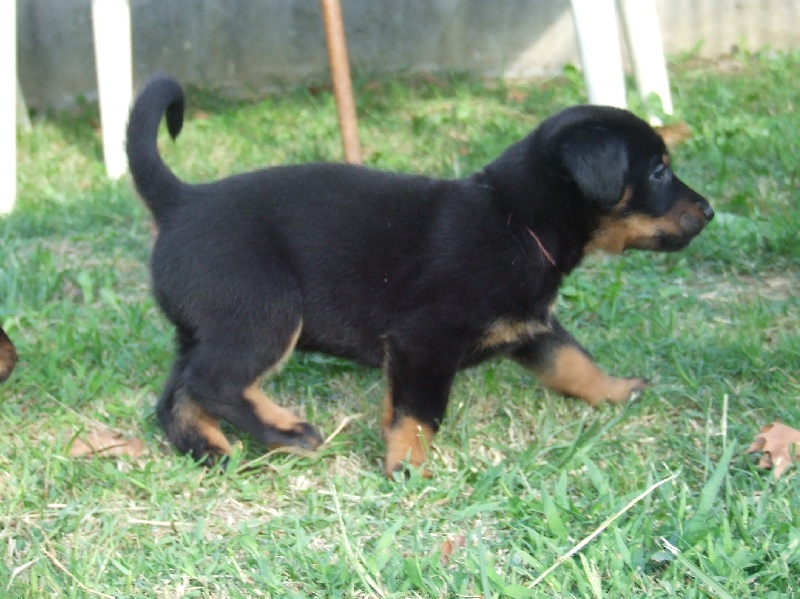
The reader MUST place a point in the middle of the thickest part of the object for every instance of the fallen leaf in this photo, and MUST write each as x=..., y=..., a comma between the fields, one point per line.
x=448, y=547
x=106, y=444
x=373, y=86
x=779, y=443
x=674, y=133
x=517, y=96
x=316, y=90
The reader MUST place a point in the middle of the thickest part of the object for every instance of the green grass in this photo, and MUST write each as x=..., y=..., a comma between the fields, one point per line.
x=522, y=476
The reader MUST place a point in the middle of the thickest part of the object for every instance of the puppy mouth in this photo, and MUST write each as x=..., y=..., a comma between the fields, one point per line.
x=690, y=225
x=671, y=243
x=675, y=235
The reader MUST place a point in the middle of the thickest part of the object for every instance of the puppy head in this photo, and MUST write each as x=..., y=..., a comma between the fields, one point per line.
x=620, y=166
x=8, y=356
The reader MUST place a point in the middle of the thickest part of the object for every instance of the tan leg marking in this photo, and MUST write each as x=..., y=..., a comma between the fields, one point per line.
x=276, y=367
x=190, y=416
x=506, y=331
x=269, y=412
x=387, y=415
x=573, y=373
x=266, y=410
x=276, y=417
x=407, y=441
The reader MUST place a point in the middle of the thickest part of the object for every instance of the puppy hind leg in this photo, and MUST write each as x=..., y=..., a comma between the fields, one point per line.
x=276, y=426
x=223, y=378
x=190, y=429
x=196, y=432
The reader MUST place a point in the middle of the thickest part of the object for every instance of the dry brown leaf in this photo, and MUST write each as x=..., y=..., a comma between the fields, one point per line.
x=448, y=547
x=674, y=133
x=779, y=443
x=517, y=96
x=106, y=444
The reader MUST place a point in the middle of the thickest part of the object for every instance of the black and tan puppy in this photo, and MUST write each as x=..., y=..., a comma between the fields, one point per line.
x=418, y=276
x=8, y=356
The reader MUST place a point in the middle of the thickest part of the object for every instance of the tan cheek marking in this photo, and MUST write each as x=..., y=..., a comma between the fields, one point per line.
x=623, y=203
x=665, y=158
x=614, y=235
x=190, y=416
x=506, y=331
x=573, y=373
x=407, y=441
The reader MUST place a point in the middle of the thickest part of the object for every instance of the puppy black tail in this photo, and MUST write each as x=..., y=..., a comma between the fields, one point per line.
x=155, y=182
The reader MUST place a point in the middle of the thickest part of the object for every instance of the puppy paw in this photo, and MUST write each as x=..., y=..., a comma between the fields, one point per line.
x=639, y=386
x=201, y=449
x=302, y=435
x=627, y=389
x=407, y=443
x=404, y=470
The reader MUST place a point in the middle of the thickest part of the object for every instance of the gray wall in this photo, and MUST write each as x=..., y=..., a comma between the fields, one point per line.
x=248, y=46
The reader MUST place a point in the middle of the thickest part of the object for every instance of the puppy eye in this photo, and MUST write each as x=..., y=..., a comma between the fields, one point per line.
x=660, y=172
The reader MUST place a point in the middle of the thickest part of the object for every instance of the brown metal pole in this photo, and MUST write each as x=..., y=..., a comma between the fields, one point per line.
x=340, y=74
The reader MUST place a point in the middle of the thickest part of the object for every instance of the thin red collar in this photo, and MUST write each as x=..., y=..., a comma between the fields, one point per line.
x=538, y=241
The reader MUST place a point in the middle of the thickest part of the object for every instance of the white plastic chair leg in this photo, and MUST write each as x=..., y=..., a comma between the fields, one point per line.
x=8, y=108
x=647, y=50
x=601, y=56
x=111, y=23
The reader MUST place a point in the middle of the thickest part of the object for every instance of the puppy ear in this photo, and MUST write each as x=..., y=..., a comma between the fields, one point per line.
x=597, y=162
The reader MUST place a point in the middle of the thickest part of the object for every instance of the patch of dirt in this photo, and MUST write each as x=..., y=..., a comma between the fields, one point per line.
x=773, y=288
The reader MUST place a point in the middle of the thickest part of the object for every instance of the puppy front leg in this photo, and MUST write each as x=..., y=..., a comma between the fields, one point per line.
x=560, y=363
x=417, y=389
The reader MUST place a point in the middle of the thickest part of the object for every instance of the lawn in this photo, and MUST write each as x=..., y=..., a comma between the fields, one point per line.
x=532, y=494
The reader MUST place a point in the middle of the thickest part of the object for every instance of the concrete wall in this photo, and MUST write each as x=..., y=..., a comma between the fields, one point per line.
x=249, y=46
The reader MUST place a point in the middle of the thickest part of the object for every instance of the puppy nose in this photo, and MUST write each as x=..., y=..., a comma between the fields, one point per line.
x=708, y=211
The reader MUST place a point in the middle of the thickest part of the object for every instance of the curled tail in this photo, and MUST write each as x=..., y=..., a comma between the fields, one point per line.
x=155, y=182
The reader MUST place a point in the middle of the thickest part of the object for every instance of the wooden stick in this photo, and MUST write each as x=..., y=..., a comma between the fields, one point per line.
x=340, y=74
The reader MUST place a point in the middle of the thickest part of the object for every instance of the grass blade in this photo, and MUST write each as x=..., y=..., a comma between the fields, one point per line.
x=608, y=522
x=696, y=526
x=712, y=585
